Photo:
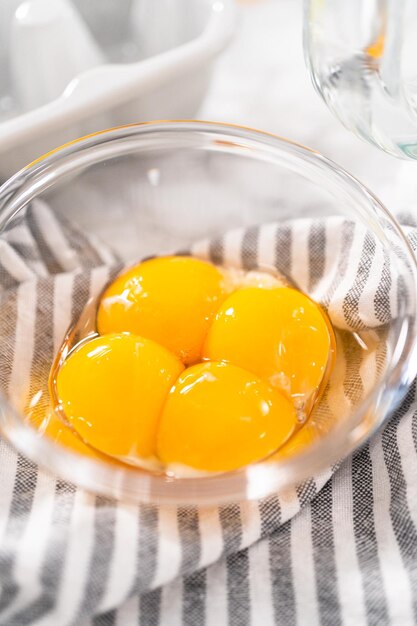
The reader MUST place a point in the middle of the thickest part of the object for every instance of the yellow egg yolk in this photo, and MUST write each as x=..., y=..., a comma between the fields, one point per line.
x=112, y=390
x=219, y=417
x=171, y=300
x=279, y=334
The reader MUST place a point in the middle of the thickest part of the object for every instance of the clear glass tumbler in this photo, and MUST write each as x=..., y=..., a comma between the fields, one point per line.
x=362, y=56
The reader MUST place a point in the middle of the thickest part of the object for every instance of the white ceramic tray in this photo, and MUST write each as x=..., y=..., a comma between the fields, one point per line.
x=168, y=84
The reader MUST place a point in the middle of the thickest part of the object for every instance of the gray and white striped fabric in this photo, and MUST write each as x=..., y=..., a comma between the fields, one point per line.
x=340, y=549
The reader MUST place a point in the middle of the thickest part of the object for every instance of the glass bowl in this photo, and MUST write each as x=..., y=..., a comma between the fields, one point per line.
x=159, y=187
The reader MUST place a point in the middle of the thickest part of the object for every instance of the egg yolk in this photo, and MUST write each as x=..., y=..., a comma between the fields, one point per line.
x=279, y=334
x=171, y=300
x=112, y=390
x=219, y=417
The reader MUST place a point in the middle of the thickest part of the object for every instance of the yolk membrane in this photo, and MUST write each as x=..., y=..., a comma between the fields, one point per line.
x=171, y=300
x=219, y=417
x=112, y=390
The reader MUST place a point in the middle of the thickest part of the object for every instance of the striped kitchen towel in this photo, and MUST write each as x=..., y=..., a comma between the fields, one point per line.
x=339, y=549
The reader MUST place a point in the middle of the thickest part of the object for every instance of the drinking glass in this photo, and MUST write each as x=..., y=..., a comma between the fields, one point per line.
x=362, y=57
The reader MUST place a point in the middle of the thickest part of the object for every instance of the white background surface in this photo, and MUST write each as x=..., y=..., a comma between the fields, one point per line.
x=262, y=81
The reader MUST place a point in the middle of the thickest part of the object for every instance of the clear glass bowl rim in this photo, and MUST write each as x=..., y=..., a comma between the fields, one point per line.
x=254, y=481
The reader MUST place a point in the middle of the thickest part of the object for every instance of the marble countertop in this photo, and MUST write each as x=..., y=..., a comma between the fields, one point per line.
x=261, y=81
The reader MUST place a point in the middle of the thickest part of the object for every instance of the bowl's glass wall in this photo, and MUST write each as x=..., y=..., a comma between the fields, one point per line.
x=167, y=193
x=158, y=188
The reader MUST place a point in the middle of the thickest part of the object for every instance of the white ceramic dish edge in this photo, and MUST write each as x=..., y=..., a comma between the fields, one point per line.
x=168, y=85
